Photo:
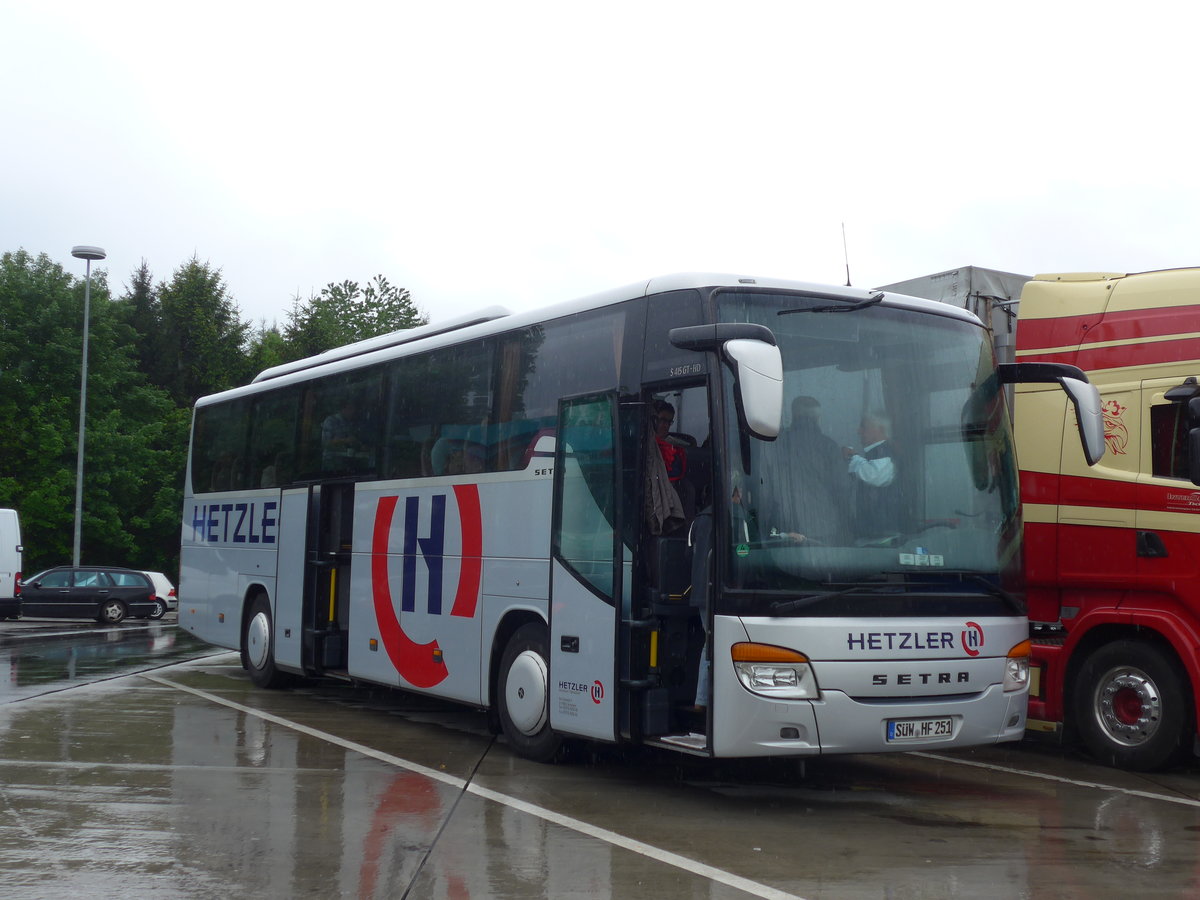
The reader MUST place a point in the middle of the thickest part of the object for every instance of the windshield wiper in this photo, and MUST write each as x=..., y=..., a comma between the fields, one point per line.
x=990, y=587
x=874, y=299
x=863, y=587
x=900, y=587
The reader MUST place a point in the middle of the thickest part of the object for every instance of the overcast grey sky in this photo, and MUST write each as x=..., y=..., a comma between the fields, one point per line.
x=529, y=152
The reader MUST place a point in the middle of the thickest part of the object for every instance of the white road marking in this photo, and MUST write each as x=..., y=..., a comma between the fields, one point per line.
x=1096, y=785
x=611, y=837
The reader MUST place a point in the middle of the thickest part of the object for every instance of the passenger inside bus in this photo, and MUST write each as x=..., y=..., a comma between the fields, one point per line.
x=814, y=509
x=876, y=502
x=454, y=456
x=340, y=440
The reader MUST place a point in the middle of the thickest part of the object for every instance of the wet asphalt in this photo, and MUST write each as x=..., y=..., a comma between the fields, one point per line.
x=138, y=762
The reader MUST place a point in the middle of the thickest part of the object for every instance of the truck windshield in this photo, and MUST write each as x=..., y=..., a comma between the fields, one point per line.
x=892, y=487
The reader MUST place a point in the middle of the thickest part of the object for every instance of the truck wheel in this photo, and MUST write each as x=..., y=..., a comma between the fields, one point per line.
x=523, y=695
x=1133, y=706
x=258, y=646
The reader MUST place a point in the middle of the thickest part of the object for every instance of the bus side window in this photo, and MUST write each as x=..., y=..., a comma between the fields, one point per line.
x=272, y=436
x=219, y=447
x=339, y=425
x=585, y=356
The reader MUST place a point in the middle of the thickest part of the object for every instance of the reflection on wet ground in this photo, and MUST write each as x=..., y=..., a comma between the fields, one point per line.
x=187, y=781
x=41, y=656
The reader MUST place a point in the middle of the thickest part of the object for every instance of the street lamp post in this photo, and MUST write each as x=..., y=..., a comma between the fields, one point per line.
x=88, y=253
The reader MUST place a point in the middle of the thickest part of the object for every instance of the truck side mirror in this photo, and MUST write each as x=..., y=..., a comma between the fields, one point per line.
x=1081, y=392
x=1086, y=399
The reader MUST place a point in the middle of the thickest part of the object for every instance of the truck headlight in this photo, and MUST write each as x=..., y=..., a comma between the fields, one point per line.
x=775, y=672
x=1016, y=667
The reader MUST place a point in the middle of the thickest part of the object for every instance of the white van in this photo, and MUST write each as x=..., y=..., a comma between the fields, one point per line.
x=10, y=563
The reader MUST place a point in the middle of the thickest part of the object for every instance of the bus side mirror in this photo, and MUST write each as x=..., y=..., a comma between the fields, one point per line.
x=758, y=370
x=1082, y=393
x=751, y=352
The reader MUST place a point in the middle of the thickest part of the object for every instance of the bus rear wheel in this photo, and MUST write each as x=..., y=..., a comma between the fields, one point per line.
x=1132, y=706
x=258, y=646
x=523, y=695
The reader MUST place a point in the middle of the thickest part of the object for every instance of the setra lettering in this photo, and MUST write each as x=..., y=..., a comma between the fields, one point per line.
x=903, y=678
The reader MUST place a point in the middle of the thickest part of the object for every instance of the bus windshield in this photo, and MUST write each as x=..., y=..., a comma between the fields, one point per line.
x=891, y=489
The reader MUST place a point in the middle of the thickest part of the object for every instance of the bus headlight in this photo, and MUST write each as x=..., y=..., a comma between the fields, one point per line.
x=1016, y=667
x=774, y=672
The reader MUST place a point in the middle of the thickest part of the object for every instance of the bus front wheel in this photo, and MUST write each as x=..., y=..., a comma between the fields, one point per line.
x=258, y=646
x=1132, y=706
x=523, y=695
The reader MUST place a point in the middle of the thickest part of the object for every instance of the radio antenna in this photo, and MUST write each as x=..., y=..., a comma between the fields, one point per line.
x=846, y=254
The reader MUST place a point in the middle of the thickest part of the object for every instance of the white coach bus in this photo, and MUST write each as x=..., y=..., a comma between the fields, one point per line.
x=729, y=516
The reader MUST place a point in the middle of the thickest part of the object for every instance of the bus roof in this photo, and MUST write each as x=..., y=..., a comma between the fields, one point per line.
x=494, y=319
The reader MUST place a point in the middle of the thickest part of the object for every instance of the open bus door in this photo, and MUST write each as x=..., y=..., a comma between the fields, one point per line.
x=587, y=568
x=314, y=564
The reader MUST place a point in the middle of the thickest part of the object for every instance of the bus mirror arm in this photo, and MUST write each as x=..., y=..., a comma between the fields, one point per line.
x=1081, y=392
x=751, y=351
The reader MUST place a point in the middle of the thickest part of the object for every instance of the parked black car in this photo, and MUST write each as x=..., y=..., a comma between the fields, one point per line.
x=103, y=593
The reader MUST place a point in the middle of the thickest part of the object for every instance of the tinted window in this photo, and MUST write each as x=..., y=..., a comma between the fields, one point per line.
x=54, y=580
x=219, y=447
x=1168, y=440
x=475, y=407
x=273, y=438
x=664, y=360
x=440, y=419
x=90, y=578
x=562, y=358
x=128, y=579
x=339, y=424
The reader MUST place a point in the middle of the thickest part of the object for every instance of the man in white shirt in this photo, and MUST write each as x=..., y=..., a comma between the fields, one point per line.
x=872, y=474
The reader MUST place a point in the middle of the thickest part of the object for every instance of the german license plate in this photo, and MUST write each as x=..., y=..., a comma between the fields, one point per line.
x=919, y=729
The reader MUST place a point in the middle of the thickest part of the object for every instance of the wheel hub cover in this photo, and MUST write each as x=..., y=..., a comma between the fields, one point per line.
x=1128, y=706
x=258, y=639
x=525, y=692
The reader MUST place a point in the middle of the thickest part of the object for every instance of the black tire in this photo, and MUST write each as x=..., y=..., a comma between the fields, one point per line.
x=1133, y=706
x=160, y=610
x=258, y=646
x=112, y=612
x=523, y=692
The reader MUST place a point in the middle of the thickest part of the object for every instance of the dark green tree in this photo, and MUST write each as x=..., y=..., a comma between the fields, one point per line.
x=136, y=438
x=204, y=340
x=346, y=312
x=143, y=313
x=267, y=348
